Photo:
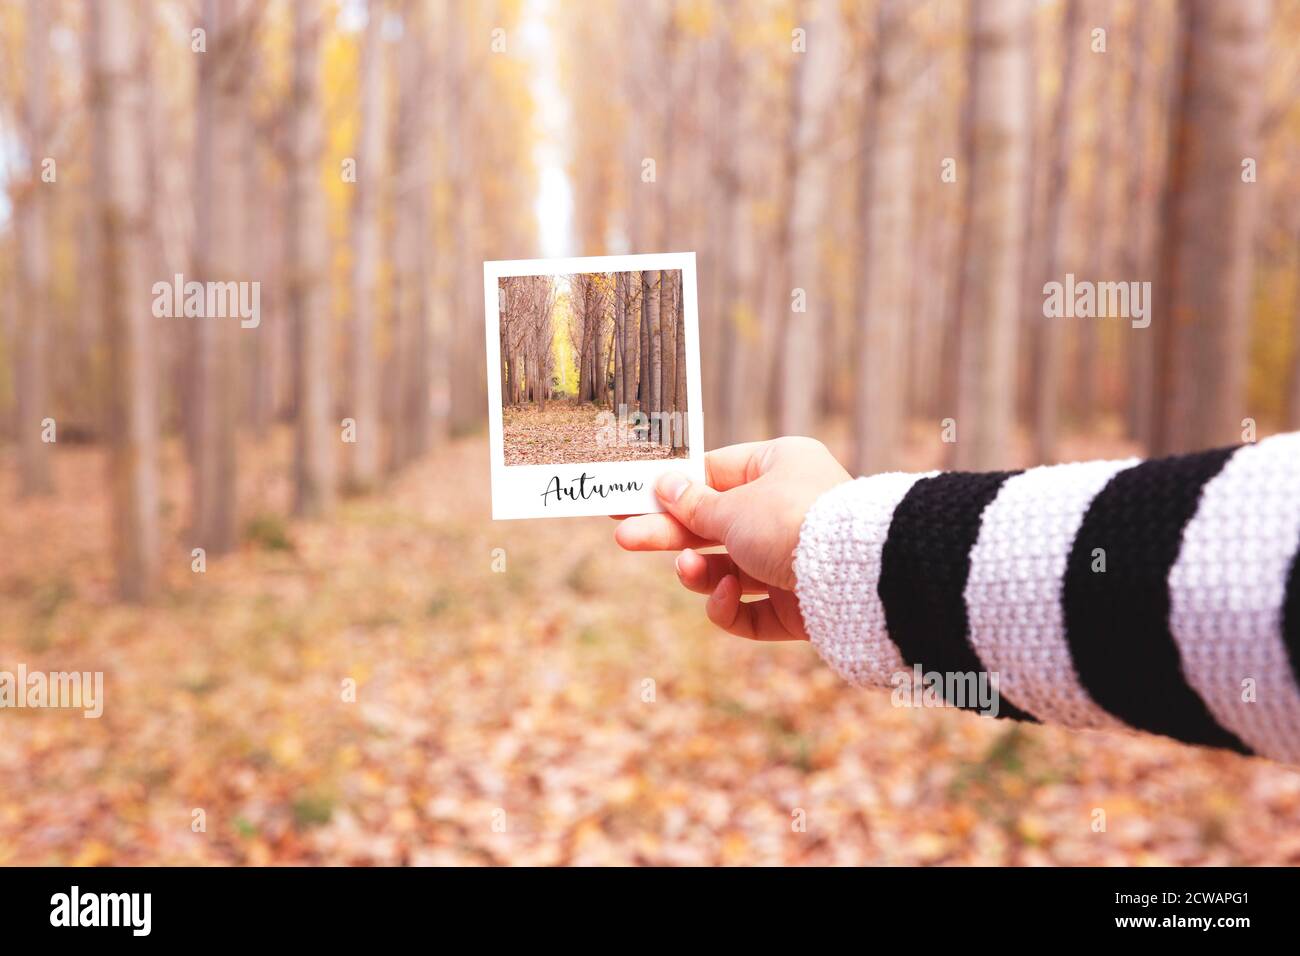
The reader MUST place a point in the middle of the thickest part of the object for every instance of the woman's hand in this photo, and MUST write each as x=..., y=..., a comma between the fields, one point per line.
x=754, y=504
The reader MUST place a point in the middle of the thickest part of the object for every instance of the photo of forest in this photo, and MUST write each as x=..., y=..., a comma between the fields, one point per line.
x=593, y=367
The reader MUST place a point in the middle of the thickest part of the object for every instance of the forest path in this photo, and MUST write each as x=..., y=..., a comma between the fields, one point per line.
x=525, y=690
x=566, y=433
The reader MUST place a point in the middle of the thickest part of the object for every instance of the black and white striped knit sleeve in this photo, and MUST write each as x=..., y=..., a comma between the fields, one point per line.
x=1161, y=595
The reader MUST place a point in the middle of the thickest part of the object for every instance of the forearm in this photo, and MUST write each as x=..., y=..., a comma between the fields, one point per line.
x=1150, y=595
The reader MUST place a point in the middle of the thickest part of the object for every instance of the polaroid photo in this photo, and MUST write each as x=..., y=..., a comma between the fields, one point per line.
x=593, y=382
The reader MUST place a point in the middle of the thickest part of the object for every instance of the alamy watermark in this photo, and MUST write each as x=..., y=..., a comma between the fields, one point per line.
x=638, y=427
x=209, y=300
x=134, y=911
x=55, y=690
x=971, y=690
x=1085, y=299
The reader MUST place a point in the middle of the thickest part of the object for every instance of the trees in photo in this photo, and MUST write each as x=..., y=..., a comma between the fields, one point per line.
x=623, y=335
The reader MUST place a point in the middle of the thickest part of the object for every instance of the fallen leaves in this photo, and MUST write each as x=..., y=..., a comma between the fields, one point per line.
x=505, y=718
x=566, y=433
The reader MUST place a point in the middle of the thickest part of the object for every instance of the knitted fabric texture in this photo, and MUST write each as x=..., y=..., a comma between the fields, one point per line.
x=1161, y=596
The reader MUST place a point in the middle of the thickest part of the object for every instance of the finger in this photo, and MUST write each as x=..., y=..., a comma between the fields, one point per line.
x=702, y=573
x=756, y=620
x=657, y=532
x=734, y=465
x=702, y=510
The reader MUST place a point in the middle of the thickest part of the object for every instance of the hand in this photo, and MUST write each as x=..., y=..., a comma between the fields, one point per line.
x=754, y=504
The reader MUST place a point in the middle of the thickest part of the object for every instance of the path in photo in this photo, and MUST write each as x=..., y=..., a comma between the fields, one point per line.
x=585, y=360
x=565, y=433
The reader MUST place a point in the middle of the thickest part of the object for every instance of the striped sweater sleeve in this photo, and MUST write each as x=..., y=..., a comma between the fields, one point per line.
x=1160, y=596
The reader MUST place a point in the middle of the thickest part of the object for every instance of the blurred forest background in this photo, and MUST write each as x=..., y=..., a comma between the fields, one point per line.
x=310, y=630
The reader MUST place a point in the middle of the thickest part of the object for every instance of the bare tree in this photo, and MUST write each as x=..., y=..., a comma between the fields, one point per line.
x=643, y=388
x=116, y=94
x=679, y=386
x=819, y=73
x=218, y=257
x=1140, y=213
x=993, y=244
x=668, y=305
x=1207, y=248
x=652, y=284
x=1049, y=339
x=307, y=259
x=883, y=298
x=412, y=162
x=364, y=472
x=33, y=232
x=542, y=338
x=620, y=340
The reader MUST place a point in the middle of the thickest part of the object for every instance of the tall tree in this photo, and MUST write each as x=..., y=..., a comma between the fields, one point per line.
x=307, y=257
x=620, y=340
x=1207, y=247
x=1049, y=339
x=631, y=338
x=679, y=400
x=668, y=334
x=643, y=388
x=33, y=231
x=1139, y=210
x=218, y=257
x=800, y=347
x=884, y=296
x=581, y=288
x=654, y=329
x=600, y=346
x=726, y=350
x=994, y=223
x=412, y=434
x=364, y=463
x=116, y=94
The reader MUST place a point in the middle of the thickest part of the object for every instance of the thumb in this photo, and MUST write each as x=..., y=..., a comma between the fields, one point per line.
x=702, y=510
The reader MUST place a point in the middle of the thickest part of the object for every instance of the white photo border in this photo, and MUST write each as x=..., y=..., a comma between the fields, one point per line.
x=519, y=491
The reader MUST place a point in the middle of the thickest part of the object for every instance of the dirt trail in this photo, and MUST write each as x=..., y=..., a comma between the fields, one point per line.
x=565, y=433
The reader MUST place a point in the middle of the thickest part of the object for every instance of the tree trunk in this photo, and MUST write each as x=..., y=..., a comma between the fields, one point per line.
x=218, y=257
x=993, y=248
x=643, y=389
x=307, y=258
x=668, y=333
x=584, y=347
x=364, y=471
x=1049, y=342
x=412, y=428
x=631, y=341
x=620, y=341
x=1137, y=245
x=600, y=356
x=1207, y=250
x=801, y=347
x=119, y=145
x=656, y=350
x=880, y=405
x=679, y=338
x=33, y=238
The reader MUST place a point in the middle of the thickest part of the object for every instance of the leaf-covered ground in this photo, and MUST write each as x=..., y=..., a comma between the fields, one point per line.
x=567, y=433
x=508, y=716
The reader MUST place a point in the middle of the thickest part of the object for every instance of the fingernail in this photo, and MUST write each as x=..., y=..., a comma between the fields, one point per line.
x=672, y=486
x=677, y=563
